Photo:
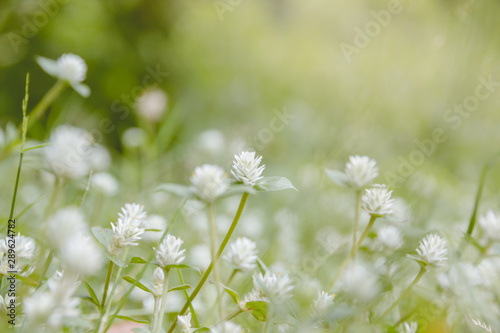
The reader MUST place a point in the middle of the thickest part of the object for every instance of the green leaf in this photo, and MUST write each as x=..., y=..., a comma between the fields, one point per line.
x=105, y=239
x=26, y=280
x=176, y=189
x=139, y=260
x=338, y=177
x=92, y=294
x=89, y=299
x=139, y=285
x=181, y=287
x=132, y=319
x=155, y=230
x=257, y=309
x=274, y=184
x=238, y=189
x=262, y=267
x=234, y=295
x=421, y=262
x=184, y=266
x=202, y=329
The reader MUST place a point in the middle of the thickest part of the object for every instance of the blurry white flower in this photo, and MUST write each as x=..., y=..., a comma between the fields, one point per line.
x=105, y=183
x=275, y=287
x=212, y=141
x=169, y=252
x=490, y=223
x=185, y=323
x=358, y=283
x=389, y=238
x=82, y=255
x=408, y=327
x=209, y=181
x=246, y=168
x=227, y=327
x=68, y=152
x=126, y=232
x=68, y=67
x=200, y=255
x=488, y=268
x=377, y=201
x=133, y=137
x=360, y=171
x=10, y=134
x=151, y=105
x=134, y=211
x=154, y=222
x=23, y=246
x=322, y=302
x=158, y=279
x=99, y=158
x=242, y=255
x=432, y=250
x=65, y=223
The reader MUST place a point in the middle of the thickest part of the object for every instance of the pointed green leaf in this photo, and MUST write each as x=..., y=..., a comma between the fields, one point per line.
x=421, y=262
x=257, y=309
x=184, y=266
x=262, y=267
x=274, y=184
x=202, y=329
x=176, y=189
x=26, y=280
x=92, y=294
x=181, y=287
x=132, y=319
x=338, y=177
x=138, y=260
x=139, y=285
x=90, y=300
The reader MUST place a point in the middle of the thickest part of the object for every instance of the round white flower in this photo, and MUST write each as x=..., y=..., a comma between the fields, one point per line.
x=360, y=171
x=169, y=252
x=71, y=68
x=65, y=223
x=126, y=232
x=80, y=254
x=358, y=283
x=275, y=287
x=432, y=250
x=377, y=201
x=134, y=211
x=322, y=302
x=246, y=168
x=151, y=105
x=209, y=182
x=389, y=238
x=212, y=141
x=490, y=223
x=133, y=137
x=105, y=183
x=185, y=323
x=242, y=255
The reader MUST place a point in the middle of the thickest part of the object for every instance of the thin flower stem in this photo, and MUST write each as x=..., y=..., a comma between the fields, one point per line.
x=49, y=97
x=346, y=260
x=106, y=284
x=231, y=316
x=213, y=233
x=191, y=308
x=404, y=294
x=157, y=306
x=204, y=278
x=161, y=314
x=356, y=224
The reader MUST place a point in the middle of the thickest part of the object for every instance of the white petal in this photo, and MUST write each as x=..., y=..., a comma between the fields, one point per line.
x=48, y=65
x=81, y=89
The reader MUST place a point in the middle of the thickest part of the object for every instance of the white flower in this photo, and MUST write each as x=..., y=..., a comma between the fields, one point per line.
x=185, y=323
x=242, y=255
x=358, y=283
x=432, y=250
x=126, y=232
x=246, y=168
x=154, y=222
x=69, y=150
x=490, y=223
x=158, y=279
x=226, y=327
x=134, y=211
x=99, y=158
x=65, y=223
x=23, y=246
x=275, y=287
x=151, y=105
x=105, y=183
x=133, y=137
x=212, y=141
x=389, y=238
x=68, y=67
x=209, y=181
x=377, y=201
x=322, y=302
x=408, y=327
x=169, y=252
x=80, y=254
x=360, y=171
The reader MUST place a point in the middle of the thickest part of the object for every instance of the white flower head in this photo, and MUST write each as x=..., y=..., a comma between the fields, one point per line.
x=227, y=327
x=408, y=327
x=185, y=323
x=133, y=210
x=322, y=302
x=490, y=223
x=246, y=168
x=360, y=171
x=81, y=254
x=105, y=183
x=65, y=223
x=158, y=279
x=389, y=238
x=275, y=287
x=242, y=255
x=377, y=201
x=212, y=141
x=169, y=252
x=432, y=250
x=126, y=232
x=359, y=283
x=23, y=246
x=68, y=67
x=151, y=105
x=68, y=152
x=209, y=182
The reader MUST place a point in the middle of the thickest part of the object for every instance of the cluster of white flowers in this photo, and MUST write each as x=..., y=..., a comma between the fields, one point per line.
x=246, y=168
x=242, y=255
x=169, y=252
x=432, y=250
x=377, y=201
x=127, y=231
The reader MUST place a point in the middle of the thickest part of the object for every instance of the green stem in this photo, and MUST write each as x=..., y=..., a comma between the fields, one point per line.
x=482, y=179
x=204, y=278
x=404, y=294
x=346, y=260
x=157, y=306
x=213, y=234
x=231, y=316
x=49, y=97
x=161, y=314
x=106, y=284
x=356, y=224
x=191, y=308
